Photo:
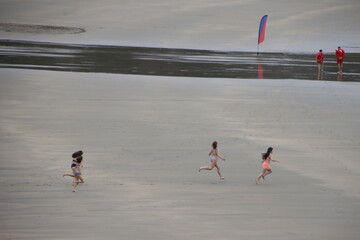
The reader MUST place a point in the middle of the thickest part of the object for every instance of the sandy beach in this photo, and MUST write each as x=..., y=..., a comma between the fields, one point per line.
x=144, y=139
x=231, y=25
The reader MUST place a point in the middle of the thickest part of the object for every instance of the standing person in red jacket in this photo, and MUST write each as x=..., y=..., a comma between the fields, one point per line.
x=340, y=54
x=320, y=59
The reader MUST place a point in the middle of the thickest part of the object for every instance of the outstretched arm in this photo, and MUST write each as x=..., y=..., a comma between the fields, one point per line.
x=218, y=155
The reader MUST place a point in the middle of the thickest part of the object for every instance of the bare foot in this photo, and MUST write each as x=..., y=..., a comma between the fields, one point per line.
x=257, y=181
x=222, y=178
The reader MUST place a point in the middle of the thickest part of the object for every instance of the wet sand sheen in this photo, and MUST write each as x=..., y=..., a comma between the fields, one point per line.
x=173, y=62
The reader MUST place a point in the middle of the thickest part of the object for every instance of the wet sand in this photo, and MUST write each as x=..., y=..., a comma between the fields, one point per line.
x=145, y=137
x=173, y=62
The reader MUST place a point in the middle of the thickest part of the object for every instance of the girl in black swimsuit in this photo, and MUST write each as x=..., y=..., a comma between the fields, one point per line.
x=76, y=166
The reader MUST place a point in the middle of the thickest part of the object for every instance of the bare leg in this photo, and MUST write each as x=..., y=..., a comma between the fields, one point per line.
x=320, y=71
x=260, y=176
x=77, y=180
x=206, y=168
x=212, y=165
x=68, y=174
x=80, y=179
x=219, y=172
x=267, y=172
x=339, y=67
x=75, y=185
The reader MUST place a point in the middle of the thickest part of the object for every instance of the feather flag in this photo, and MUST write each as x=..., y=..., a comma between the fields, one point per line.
x=262, y=31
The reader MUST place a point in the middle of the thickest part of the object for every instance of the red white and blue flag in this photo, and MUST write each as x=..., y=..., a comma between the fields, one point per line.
x=262, y=29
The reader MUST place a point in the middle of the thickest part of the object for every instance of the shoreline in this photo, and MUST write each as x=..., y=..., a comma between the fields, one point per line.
x=114, y=45
x=350, y=49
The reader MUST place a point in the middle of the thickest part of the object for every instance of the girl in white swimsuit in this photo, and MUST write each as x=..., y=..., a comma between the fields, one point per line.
x=214, y=155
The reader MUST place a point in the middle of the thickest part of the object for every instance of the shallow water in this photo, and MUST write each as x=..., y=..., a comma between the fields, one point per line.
x=173, y=62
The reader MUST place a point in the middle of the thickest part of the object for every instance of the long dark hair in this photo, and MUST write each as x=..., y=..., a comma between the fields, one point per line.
x=79, y=159
x=77, y=154
x=214, y=144
x=266, y=155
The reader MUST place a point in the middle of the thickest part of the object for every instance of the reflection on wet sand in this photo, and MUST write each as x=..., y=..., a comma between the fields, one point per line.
x=339, y=77
x=320, y=74
x=260, y=69
x=168, y=62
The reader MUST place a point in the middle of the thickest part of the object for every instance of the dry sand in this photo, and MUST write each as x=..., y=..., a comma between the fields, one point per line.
x=305, y=25
x=144, y=139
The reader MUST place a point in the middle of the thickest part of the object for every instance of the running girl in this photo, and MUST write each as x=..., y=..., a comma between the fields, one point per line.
x=266, y=160
x=77, y=157
x=214, y=156
x=77, y=164
x=77, y=173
